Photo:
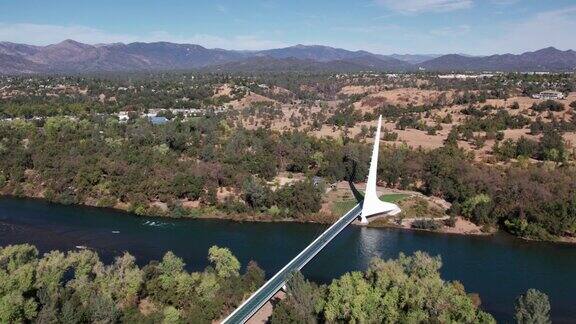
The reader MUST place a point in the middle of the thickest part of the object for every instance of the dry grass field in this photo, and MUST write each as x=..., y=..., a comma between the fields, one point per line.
x=299, y=115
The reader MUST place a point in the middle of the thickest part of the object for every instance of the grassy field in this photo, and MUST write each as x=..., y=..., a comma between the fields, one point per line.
x=341, y=207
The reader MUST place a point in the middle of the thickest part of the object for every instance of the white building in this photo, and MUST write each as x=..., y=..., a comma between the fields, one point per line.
x=123, y=116
x=549, y=94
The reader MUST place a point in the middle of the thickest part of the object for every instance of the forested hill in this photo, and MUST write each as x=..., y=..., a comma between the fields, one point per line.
x=136, y=166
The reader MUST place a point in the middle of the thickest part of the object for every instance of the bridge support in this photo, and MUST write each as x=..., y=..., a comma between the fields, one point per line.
x=372, y=205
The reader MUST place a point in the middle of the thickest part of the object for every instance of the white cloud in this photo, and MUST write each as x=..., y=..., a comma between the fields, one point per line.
x=221, y=8
x=369, y=29
x=504, y=2
x=451, y=31
x=38, y=34
x=420, y=6
x=548, y=28
x=48, y=34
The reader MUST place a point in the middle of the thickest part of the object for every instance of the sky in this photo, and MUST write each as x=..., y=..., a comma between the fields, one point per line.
x=476, y=27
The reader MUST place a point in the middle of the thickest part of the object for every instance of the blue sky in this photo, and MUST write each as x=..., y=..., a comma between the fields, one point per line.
x=381, y=26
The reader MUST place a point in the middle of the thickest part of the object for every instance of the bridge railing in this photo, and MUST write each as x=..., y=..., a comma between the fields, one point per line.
x=266, y=291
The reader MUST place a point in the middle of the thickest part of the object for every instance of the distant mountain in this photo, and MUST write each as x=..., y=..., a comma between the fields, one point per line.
x=166, y=55
x=289, y=64
x=8, y=48
x=10, y=64
x=312, y=52
x=71, y=56
x=74, y=57
x=380, y=63
x=547, y=59
x=414, y=58
x=368, y=62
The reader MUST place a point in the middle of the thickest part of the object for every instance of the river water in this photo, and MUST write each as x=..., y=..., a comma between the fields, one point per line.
x=498, y=267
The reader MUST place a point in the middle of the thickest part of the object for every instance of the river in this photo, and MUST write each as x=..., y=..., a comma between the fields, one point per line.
x=498, y=267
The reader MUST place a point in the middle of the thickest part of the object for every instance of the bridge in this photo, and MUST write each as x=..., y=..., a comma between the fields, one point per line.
x=370, y=205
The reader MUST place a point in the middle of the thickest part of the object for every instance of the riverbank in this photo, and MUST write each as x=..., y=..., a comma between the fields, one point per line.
x=461, y=227
x=464, y=227
x=476, y=261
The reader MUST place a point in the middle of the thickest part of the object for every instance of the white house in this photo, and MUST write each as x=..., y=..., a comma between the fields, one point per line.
x=549, y=94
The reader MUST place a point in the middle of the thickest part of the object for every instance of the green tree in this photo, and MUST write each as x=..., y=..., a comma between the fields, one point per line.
x=552, y=146
x=533, y=307
x=17, y=273
x=300, y=304
x=256, y=193
x=171, y=315
x=224, y=261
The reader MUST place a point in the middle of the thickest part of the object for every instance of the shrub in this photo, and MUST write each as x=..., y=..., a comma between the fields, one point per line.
x=427, y=224
x=389, y=136
x=106, y=201
x=550, y=105
x=450, y=222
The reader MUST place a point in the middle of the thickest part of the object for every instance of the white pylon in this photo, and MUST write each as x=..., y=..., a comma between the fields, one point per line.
x=372, y=205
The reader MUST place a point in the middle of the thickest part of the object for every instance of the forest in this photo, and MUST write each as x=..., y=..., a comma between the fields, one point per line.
x=77, y=287
x=104, y=163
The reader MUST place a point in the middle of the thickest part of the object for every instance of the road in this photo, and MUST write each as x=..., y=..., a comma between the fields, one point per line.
x=262, y=295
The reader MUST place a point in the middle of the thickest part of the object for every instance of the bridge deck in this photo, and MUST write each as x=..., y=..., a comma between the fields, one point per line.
x=262, y=295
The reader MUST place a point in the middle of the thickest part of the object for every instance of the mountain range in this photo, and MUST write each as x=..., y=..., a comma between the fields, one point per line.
x=71, y=56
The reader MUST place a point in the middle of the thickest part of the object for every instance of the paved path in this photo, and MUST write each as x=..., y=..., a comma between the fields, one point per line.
x=262, y=295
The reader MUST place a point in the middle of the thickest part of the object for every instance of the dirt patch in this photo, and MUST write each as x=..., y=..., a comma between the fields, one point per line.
x=263, y=314
x=359, y=89
x=223, y=90
x=403, y=97
x=465, y=227
x=249, y=100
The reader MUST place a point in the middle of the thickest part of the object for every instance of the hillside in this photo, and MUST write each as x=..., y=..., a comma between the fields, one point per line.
x=71, y=56
x=547, y=59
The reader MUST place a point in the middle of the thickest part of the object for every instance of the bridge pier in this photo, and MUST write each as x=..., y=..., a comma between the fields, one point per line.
x=372, y=205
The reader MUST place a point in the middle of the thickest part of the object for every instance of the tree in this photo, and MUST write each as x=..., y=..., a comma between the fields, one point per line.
x=300, y=303
x=505, y=150
x=526, y=147
x=398, y=291
x=188, y=186
x=17, y=272
x=552, y=146
x=452, y=139
x=171, y=315
x=254, y=276
x=299, y=198
x=256, y=193
x=477, y=208
x=533, y=307
x=224, y=261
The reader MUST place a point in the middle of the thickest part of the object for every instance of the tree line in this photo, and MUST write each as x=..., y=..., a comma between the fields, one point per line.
x=103, y=162
x=77, y=287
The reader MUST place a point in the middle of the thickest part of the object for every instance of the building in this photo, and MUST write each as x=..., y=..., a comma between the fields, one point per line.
x=549, y=94
x=156, y=120
x=123, y=116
